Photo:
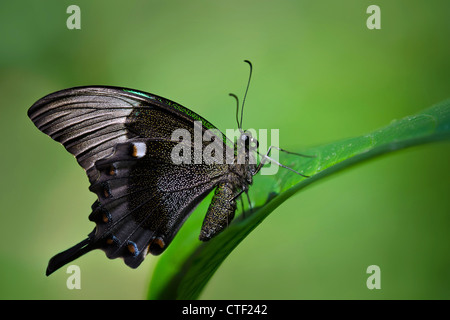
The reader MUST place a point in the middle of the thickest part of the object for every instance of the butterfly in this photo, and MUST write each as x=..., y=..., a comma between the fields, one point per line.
x=123, y=138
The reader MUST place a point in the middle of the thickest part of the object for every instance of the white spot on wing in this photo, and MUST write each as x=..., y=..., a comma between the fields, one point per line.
x=139, y=149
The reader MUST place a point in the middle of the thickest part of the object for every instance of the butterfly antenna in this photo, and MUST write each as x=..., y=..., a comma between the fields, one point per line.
x=246, y=90
x=237, y=109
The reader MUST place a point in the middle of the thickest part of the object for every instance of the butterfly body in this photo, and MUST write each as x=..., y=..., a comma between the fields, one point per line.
x=123, y=139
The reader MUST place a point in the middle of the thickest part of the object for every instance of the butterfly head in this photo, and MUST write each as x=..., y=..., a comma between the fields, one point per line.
x=248, y=142
x=247, y=150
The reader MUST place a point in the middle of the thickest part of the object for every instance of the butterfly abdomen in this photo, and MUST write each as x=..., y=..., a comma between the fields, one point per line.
x=220, y=212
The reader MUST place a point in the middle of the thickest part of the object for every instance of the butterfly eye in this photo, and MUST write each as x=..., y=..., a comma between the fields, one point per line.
x=244, y=137
x=249, y=141
x=245, y=140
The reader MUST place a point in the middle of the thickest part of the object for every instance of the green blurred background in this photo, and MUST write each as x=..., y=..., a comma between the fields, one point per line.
x=319, y=75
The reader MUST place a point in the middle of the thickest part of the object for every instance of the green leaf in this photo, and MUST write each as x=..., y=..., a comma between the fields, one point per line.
x=185, y=268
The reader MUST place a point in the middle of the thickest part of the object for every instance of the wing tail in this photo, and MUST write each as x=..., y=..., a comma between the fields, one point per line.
x=69, y=255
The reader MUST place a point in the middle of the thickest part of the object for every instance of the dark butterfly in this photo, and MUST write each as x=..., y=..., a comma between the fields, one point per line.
x=123, y=139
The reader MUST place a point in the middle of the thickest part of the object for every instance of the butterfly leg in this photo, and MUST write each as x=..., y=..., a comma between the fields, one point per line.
x=242, y=204
x=266, y=157
x=239, y=195
x=289, y=152
x=249, y=202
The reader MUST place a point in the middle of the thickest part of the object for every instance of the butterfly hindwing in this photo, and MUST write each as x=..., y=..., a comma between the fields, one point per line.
x=143, y=199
